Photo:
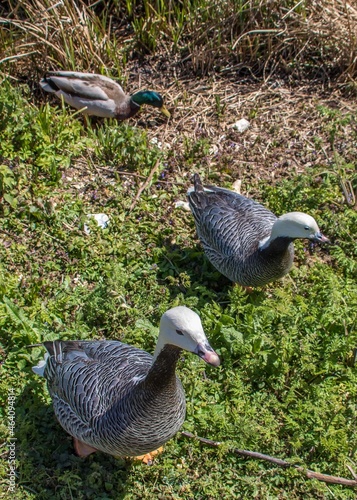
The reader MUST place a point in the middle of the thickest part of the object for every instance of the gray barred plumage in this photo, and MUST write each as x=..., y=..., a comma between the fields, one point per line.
x=245, y=241
x=117, y=398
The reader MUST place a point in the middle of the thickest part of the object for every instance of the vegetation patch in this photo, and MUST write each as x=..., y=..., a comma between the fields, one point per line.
x=287, y=383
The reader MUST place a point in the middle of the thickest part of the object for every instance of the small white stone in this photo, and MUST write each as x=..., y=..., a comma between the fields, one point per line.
x=182, y=204
x=102, y=221
x=213, y=149
x=156, y=142
x=241, y=125
x=237, y=186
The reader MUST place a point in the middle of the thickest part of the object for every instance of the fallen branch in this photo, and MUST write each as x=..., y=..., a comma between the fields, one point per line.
x=16, y=238
x=277, y=461
x=144, y=185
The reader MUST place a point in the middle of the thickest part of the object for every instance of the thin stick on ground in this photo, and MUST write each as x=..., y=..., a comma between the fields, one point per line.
x=278, y=461
x=144, y=185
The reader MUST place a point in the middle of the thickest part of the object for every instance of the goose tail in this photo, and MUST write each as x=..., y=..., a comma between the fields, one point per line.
x=196, y=198
x=198, y=186
x=53, y=348
x=39, y=369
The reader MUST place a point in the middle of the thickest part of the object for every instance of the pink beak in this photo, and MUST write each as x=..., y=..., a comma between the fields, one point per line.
x=320, y=238
x=206, y=353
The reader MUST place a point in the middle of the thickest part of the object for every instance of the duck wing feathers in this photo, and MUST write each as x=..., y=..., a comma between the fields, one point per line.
x=101, y=397
x=83, y=85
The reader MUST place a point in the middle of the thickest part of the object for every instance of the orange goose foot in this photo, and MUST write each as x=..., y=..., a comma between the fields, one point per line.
x=148, y=459
x=82, y=449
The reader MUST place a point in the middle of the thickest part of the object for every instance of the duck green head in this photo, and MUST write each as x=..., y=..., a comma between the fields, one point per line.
x=152, y=99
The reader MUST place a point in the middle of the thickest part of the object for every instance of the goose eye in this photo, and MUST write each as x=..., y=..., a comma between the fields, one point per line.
x=179, y=332
x=307, y=228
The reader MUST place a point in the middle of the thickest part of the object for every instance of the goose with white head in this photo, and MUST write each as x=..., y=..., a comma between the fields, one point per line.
x=119, y=399
x=245, y=241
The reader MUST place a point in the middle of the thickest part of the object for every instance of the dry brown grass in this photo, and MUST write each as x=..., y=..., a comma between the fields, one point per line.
x=284, y=120
x=287, y=133
x=64, y=34
x=228, y=37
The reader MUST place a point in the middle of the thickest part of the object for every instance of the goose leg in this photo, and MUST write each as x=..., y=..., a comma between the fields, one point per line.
x=149, y=457
x=82, y=449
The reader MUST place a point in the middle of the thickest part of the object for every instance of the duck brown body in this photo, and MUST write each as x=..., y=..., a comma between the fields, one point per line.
x=98, y=95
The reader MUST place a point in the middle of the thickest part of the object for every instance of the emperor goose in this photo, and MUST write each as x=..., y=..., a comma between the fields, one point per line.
x=118, y=399
x=242, y=239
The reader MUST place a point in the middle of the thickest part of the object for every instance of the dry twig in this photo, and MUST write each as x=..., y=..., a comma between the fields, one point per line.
x=144, y=185
x=278, y=461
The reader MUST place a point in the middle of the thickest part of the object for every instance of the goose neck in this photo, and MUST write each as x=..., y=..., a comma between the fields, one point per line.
x=275, y=245
x=164, y=366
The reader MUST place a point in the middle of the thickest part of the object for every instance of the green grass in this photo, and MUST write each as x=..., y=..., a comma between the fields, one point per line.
x=288, y=382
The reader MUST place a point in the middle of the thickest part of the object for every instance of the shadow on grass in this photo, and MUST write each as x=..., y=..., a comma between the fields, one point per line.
x=187, y=271
x=48, y=466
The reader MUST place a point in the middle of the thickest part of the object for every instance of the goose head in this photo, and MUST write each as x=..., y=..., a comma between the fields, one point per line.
x=152, y=99
x=182, y=327
x=297, y=225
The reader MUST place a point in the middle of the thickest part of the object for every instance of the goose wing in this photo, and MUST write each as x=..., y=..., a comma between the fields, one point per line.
x=86, y=378
x=229, y=223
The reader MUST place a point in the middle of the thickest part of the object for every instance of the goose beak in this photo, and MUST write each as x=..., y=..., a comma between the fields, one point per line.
x=206, y=353
x=165, y=111
x=320, y=238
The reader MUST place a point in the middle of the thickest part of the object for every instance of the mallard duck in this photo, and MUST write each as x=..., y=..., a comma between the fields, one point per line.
x=99, y=95
x=243, y=240
x=118, y=399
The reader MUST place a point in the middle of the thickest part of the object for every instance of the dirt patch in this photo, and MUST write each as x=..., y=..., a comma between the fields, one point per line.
x=289, y=130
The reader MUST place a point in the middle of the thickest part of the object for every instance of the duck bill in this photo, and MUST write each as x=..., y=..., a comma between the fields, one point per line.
x=165, y=111
x=208, y=355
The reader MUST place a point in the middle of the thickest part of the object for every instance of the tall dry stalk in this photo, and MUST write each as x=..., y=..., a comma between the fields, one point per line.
x=65, y=34
x=298, y=37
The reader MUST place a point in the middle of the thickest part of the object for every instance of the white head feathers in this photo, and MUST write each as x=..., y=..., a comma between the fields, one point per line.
x=182, y=327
